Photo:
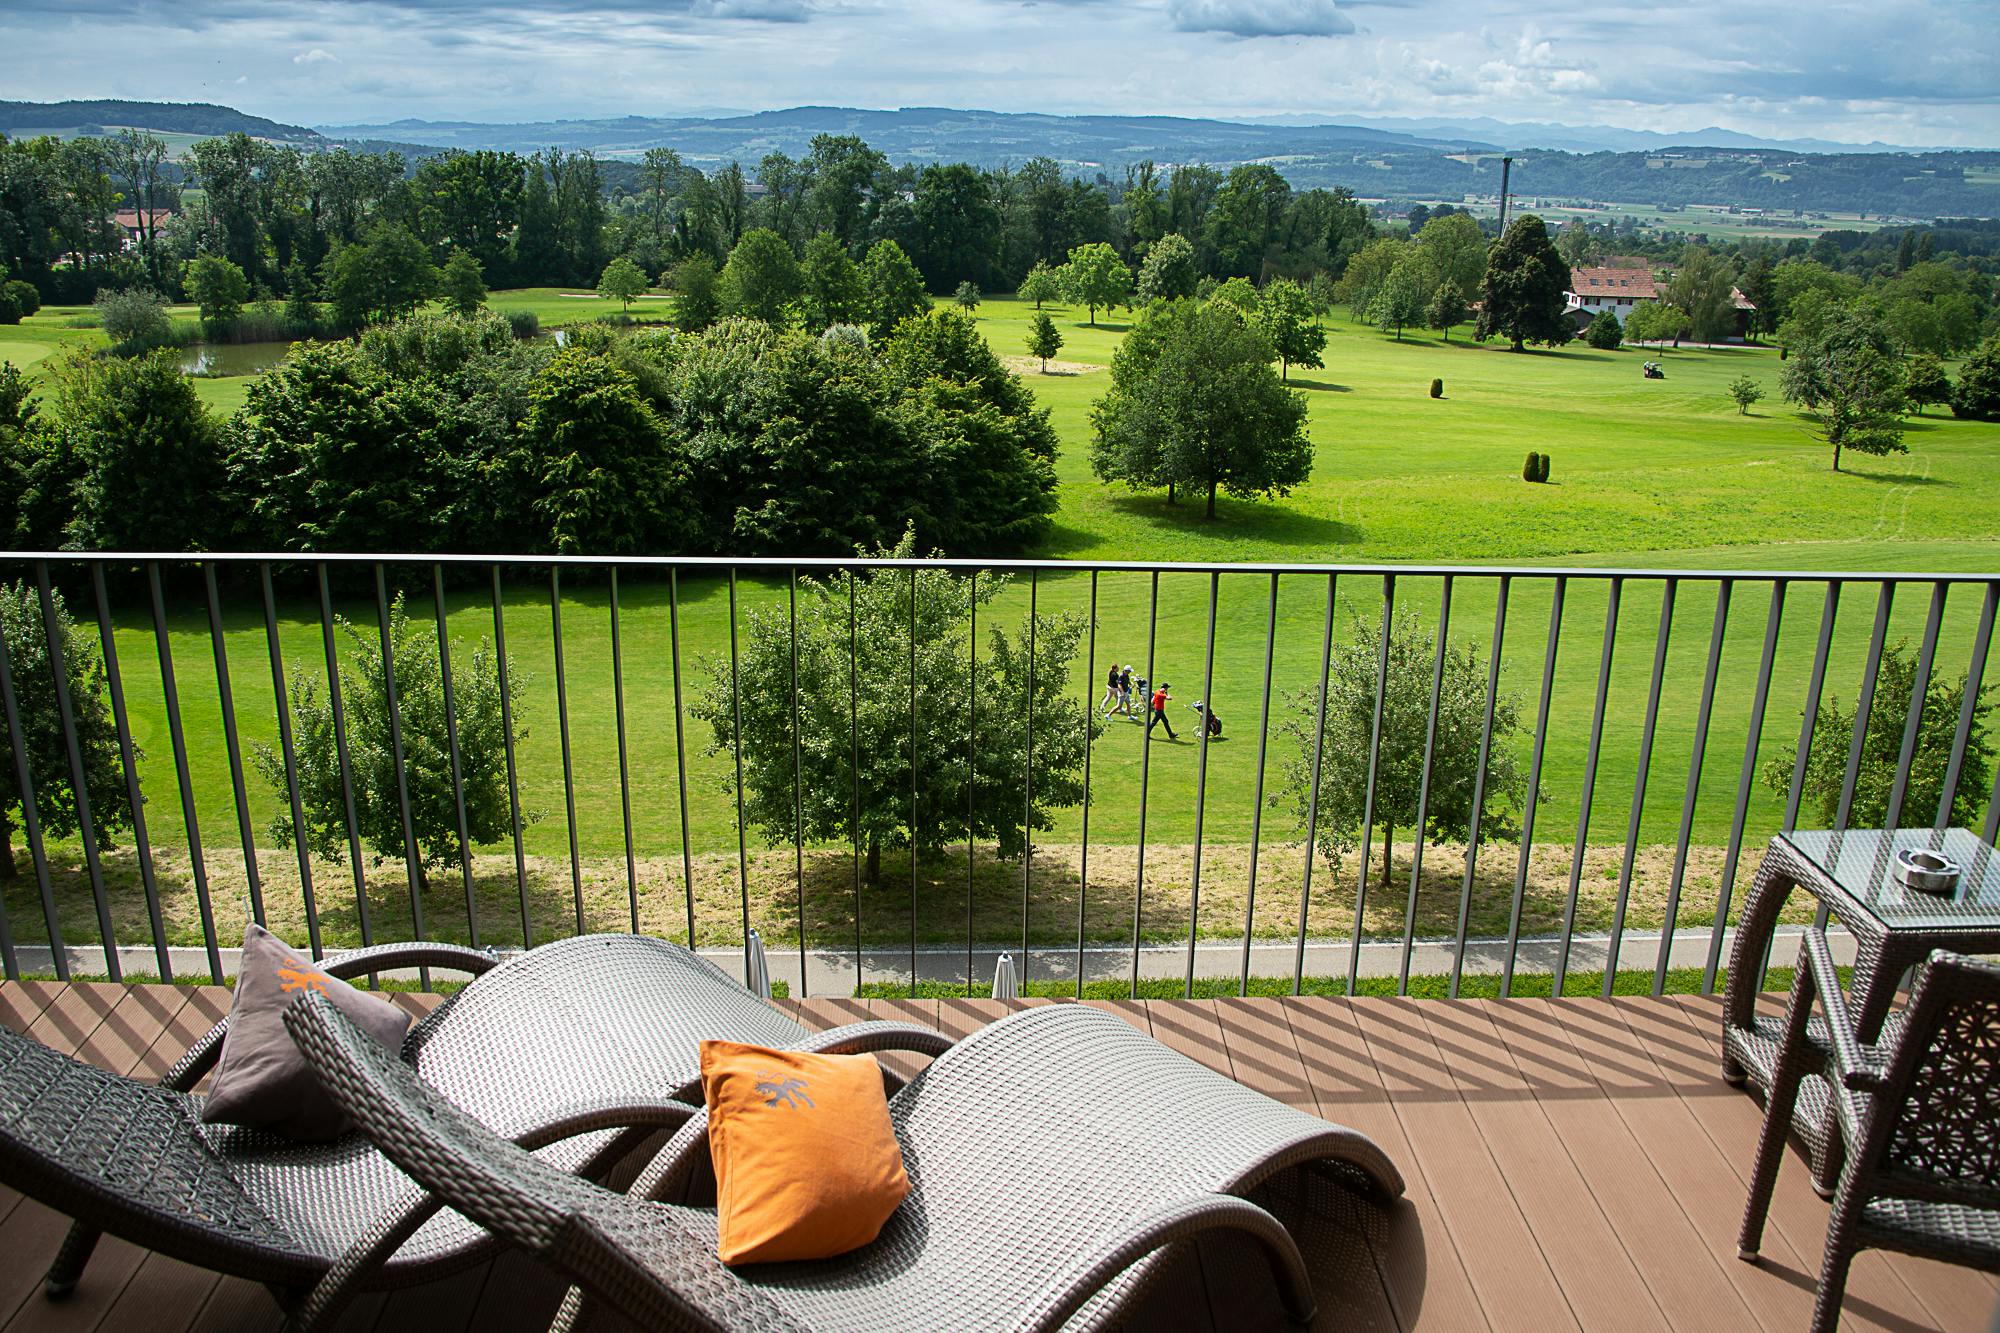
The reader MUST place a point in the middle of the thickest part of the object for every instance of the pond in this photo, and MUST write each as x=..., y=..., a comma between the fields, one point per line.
x=231, y=358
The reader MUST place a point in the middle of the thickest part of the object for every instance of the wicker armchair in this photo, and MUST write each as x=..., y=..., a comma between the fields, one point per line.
x=1919, y=1117
x=1058, y=1162
x=578, y=1050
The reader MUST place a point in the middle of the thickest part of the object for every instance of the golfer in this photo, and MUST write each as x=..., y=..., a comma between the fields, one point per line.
x=1159, y=718
x=1112, y=694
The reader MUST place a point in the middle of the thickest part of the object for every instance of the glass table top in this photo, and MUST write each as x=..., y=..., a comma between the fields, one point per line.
x=1862, y=862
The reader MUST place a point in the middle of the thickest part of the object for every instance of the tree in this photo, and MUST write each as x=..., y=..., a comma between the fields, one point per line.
x=1344, y=744
x=428, y=760
x=1170, y=271
x=622, y=281
x=1455, y=249
x=1040, y=285
x=462, y=284
x=1882, y=747
x=697, y=293
x=1745, y=392
x=140, y=160
x=1656, y=322
x=386, y=275
x=966, y=298
x=134, y=319
x=1195, y=405
x=1095, y=276
x=27, y=642
x=1847, y=382
x=1704, y=287
x=971, y=767
x=1285, y=316
x=219, y=288
x=1401, y=298
x=1043, y=339
x=1924, y=381
x=761, y=277
x=1604, y=333
x=1523, y=295
x=605, y=481
x=1977, y=397
x=830, y=281
x=145, y=455
x=1447, y=310
x=895, y=288
x=1367, y=271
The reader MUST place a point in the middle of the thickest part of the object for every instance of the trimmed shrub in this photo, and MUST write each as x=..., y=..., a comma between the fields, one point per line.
x=24, y=297
x=1437, y=388
x=1542, y=472
x=1532, y=469
x=1605, y=333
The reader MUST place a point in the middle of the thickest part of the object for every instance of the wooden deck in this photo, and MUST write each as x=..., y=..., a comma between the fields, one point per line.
x=1570, y=1165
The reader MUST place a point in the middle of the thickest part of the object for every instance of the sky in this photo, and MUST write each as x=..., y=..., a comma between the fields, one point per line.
x=1897, y=71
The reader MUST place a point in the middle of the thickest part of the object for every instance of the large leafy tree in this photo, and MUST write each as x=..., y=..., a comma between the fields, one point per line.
x=386, y=275
x=1455, y=249
x=1977, y=394
x=1349, y=733
x=1402, y=298
x=761, y=277
x=219, y=289
x=1041, y=284
x=1882, y=749
x=462, y=283
x=33, y=678
x=1285, y=315
x=960, y=225
x=970, y=772
x=1850, y=384
x=1195, y=405
x=830, y=282
x=1095, y=276
x=606, y=480
x=1171, y=270
x=427, y=756
x=1522, y=296
x=697, y=293
x=895, y=289
x=1703, y=286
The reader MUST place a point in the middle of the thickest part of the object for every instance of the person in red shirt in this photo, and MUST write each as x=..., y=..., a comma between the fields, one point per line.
x=1159, y=717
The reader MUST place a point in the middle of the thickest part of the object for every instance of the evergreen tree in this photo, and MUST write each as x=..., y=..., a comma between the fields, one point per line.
x=1044, y=340
x=1523, y=296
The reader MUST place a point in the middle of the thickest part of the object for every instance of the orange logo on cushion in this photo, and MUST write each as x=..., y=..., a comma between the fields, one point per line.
x=798, y=1186
x=294, y=975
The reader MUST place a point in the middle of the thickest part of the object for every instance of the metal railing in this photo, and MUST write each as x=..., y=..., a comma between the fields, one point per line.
x=1763, y=655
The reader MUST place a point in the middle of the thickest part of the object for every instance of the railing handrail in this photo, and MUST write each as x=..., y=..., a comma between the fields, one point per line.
x=724, y=563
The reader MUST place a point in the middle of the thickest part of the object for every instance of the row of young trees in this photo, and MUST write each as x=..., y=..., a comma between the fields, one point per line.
x=445, y=432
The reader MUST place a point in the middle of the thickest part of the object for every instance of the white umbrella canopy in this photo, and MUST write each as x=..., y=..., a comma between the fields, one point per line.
x=756, y=971
x=1005, y=986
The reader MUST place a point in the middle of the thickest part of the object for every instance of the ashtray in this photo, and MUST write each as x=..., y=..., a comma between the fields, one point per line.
x=1926, y=872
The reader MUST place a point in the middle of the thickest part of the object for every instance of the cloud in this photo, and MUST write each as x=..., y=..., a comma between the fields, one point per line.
x=763, y=11
x=1260, y=18
x=315, y=57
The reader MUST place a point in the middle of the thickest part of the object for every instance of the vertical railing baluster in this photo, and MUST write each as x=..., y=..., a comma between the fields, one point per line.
x=1745, y=780
x=1864, y=705
x=79, y=779
x=1028, y=786
x=624, y=760
x=562, y=724
x=1809, y=717
x=1639, y=787
x=1975, y=676
x=1442, y=650
x=287, y=751
x=507, y=741
x=233, y=746
x=1919, y=686
x=1368, y=792
x=31, y=829
x=1479, y=783
x=339, y=711
x=854, y=772
x=412, y=854
x=913, y=783
x=1312, y=794
x=1089, y=736
x=1145, y=766
x=1257, y=798
x=1201, y=778
x=1992, y=811
x=1534, y=791
x=1589, y=789
x=972, y=765
x=798, y=785
x=128, y=756
x=680, y=747
x=1682, y=839
x=170, y=695
x=457, y=759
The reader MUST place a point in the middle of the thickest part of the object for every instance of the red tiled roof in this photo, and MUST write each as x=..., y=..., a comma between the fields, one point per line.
x=128, y=218
x=1635, y=283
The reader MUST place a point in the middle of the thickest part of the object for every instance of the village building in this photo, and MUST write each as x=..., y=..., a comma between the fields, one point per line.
x=1621, y=283
x=133, y=224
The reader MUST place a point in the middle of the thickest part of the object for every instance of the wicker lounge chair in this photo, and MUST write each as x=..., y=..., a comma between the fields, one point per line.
x=1919, y=1116
x=579, y=1049
x=1058, y=1161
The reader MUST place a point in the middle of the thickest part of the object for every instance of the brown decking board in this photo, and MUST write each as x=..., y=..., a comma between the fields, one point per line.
x=1567, y=1161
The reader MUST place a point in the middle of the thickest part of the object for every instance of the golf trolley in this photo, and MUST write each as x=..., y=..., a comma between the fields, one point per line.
x=1209, y=718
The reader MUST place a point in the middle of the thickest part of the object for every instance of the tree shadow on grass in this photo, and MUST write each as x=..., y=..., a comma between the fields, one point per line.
x=1237, y=522
x=1324, y=386
x=1102, y=326
x=1894, y=478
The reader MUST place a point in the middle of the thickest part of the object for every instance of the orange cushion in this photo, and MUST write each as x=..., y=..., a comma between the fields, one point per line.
x=806, y=1160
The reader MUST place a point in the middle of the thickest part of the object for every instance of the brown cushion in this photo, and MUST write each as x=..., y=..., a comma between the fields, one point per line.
x=806, y=1160
x=262, y=1081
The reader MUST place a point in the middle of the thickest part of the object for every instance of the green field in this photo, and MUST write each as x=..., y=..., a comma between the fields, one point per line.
x=1659, y=474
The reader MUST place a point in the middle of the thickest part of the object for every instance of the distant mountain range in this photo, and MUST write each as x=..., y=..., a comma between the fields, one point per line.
x=1527, y=135
x=199, y=118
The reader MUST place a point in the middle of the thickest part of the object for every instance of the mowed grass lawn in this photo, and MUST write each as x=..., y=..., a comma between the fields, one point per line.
x=1646, y=474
